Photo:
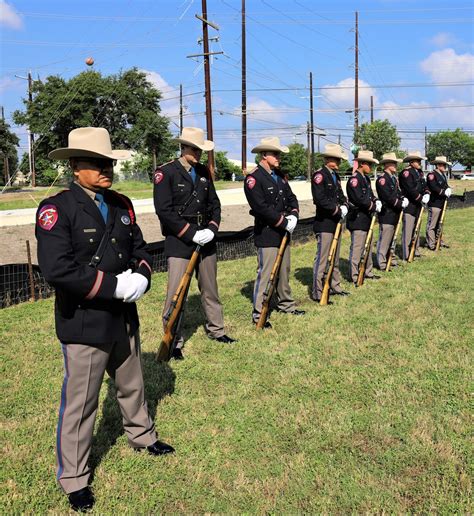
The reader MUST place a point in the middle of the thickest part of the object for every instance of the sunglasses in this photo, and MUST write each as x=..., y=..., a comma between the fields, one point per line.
x=99, y=163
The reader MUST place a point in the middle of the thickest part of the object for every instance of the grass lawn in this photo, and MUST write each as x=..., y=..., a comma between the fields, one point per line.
x=14, y=199
x=362, y=406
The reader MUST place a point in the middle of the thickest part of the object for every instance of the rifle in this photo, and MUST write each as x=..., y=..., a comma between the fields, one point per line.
x=267, y=295
x=365, y=253
x=440, y=227
x=416, y=234
x=175, y=313
x=393, y=244
x=330, y=265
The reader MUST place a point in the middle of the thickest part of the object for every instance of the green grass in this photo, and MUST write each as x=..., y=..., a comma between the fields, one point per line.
x=362, y=406
x=15, y=198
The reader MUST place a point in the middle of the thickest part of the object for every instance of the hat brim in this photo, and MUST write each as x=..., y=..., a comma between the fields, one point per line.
x=448, y=163
x=396, y=160
x=412, y=157
x=333, y=155
x=272, y=148
x=206, y=146
x=368, y=160
x=67, y=152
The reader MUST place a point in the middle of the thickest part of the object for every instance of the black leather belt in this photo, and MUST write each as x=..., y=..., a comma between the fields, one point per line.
x=199, y=219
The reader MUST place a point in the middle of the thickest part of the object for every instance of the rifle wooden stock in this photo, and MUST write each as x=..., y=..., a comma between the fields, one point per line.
x=393, y=243
x=330, y=266
x=365, y=253
x=267, y=295
x=416, y=234
x=176, y=310
x=441, y=223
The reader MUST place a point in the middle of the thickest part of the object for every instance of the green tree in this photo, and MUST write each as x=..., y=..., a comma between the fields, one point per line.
x=8, y=153
x=457, y=146
x=224, y=167
x=295, y=162
x=379, y=137
x=126, y=104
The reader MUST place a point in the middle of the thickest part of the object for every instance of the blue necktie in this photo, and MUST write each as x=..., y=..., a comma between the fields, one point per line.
x=192, y=172
x=103, y=208
x=334, y=177
x=275, y=177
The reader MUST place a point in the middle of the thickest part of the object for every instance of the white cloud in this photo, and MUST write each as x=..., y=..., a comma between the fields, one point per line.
x=8, y=16
x=442, y=39
x=447, y=66
x=6, y=83
x=262, y=110
x=344, y=97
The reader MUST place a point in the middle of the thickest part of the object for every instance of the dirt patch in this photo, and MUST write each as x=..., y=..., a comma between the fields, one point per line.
x=234, y=218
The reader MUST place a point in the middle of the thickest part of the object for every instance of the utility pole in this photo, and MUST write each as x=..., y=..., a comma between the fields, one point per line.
x=356, y=85
x=180, y=109
x=6, y=171
x=308, y=149
x=371, y=109
x=311, y=116
x=31, y=136
x=426, y=143
x=244, y=94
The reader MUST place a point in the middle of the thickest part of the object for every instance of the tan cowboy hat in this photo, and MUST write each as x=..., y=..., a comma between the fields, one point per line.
x=368, y=156
x=413, y=155
x=333, y=150
x=272, y=143
x=89, y=142
x=194, y=137
x=441, y=160
x=390, y=157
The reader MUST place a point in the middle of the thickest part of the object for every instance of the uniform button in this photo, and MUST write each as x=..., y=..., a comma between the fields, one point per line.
x=120, y=255
x=91, y=240
x=130, y=234
x=114, y=241
x=197, y=200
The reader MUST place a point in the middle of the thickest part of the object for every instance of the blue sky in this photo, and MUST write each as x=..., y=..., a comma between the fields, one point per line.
x=411, y=53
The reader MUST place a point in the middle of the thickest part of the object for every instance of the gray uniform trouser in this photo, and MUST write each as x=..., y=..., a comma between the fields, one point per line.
x=383, y=245
x=206, y=272
x=324, y=241
x=409, y=222
x=357, y=246
x=266, y=257
x=432, y=226
x=84, y=370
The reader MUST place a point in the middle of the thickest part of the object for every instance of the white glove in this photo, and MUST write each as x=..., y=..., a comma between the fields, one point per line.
x=344, y=211
x=208, y=235
x=448, y=192
x=378, y=206
x=137, y=284
x=425, y=199
x=199, y=237
x=405, y=202
x=292, y=221
x=122, y=283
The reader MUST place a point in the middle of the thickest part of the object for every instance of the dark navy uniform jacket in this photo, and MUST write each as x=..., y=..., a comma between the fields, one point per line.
x=391, y=196
x=173, y=189
x=270, y=202
x=361, y=202
x=328, y=198
x=437, y=184
x=413, y=188
x=69, y=228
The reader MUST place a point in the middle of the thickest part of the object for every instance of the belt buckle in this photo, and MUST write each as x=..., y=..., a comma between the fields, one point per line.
x=200, y=219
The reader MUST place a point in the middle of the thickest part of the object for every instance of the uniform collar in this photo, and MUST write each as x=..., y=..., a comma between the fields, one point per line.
x=90, y=193
x=185, y=164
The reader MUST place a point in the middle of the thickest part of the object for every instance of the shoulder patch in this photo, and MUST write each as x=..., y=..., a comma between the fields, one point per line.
x=354, y=182
x=250, y=181
x=318, y=178
x=406, y=173
x=382, y=181
x=48, y=216
x=431, y=177
x=158, y=177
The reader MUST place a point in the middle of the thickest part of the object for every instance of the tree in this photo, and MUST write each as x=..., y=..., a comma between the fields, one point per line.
x=224, y=167
x=380, y=137
x=8, y=154
x=457, y=146
x=295, y=163
x=126, y=104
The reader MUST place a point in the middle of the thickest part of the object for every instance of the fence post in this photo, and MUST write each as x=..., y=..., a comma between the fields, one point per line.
x=30, y=272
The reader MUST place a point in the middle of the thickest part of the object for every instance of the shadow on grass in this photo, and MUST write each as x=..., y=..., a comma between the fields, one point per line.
x=159, y=379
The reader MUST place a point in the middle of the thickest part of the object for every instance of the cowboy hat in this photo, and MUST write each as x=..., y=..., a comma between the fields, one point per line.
x=333, y=150
x=368, y=156
x=89, y=142
x=194, y=137
x=390, y=157
x=272, y=143
x=441, y=160
x=413, y=156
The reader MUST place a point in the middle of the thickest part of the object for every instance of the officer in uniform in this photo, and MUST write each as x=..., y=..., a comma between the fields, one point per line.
x=331, y=208
x=393, y=203
x=413, y=187
x=190, y=213
x=439, y=189
x=276, y=211
x=88, y=244
x=362, y=206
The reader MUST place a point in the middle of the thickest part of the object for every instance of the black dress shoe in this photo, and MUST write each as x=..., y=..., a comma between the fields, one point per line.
x=177, y=354
x=341, y=293
x=158, y=448
x=446, y=246
x=372, y=277
x=316, y=300
x=293, y=312
x=81, y=500
x=225, y=339
x=267, y=325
